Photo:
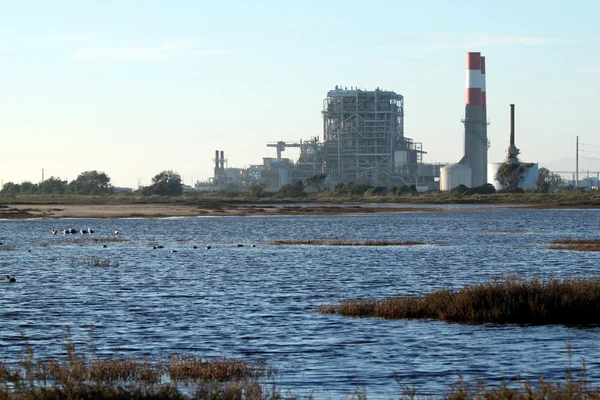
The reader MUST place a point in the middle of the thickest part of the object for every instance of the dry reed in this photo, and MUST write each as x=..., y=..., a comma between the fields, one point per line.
x=323, y=242
x=82, y=376
x=575, y=244
x=511, y=300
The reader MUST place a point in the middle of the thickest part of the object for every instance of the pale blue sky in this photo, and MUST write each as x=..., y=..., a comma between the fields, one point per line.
x=135, y=87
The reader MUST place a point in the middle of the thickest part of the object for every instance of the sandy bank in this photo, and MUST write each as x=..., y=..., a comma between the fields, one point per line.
x=155, y=210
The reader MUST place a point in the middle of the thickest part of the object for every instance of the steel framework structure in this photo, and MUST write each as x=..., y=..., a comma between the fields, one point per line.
x=362, y=129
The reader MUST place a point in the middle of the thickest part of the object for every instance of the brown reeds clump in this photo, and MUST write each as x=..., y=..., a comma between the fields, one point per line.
x=82, y=376
x=576, y=244
x=509, y=300
x=323, y=242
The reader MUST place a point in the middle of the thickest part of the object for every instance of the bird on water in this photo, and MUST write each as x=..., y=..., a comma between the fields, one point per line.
x=10, y=279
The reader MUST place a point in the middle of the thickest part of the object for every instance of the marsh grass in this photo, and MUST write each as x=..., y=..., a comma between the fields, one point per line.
x=322, y=242
x=573, y=386
x=509, y=300
x=80, y=375
x=8, y=247
x=575, y=244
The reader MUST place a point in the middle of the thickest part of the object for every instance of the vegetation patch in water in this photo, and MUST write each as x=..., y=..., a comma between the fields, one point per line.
x=96, y=262
x=82, y=376
x=322, y=242
x=509, y=300
x=575, y=244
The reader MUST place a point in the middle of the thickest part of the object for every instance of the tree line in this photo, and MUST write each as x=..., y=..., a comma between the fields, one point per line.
x=168, y=183
x=95, y=183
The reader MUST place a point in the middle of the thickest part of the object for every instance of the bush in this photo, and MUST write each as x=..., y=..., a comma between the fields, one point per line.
x=404, y=189
x=486, y=188
x=294, y=189
x=376, y=191
x=459, y=190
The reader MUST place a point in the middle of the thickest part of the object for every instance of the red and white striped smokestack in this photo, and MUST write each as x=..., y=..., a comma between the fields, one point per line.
x=483, y=99
x=474, y=79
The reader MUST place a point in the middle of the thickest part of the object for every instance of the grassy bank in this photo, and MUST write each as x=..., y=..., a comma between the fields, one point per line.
x=590, y=198
x=511, y=300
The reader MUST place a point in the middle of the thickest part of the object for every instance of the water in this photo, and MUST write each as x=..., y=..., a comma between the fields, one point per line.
x=259, y=303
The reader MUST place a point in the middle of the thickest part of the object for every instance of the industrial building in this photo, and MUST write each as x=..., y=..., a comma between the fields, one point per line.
x=363, y=142
x=364, y=138
x=530, y=180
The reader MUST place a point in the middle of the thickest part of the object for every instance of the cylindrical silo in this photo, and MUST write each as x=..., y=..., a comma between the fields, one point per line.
x=492, y=170
x=453, y=175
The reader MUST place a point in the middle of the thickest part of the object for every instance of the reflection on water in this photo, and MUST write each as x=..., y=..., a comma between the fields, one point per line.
x=259, y=303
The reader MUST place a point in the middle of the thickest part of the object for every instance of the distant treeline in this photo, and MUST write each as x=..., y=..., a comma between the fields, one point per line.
x=166, y=183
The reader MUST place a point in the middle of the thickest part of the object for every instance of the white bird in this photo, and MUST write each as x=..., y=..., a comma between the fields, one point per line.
x=117, y=232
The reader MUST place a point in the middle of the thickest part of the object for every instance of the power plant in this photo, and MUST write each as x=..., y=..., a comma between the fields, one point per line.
x=364, y=142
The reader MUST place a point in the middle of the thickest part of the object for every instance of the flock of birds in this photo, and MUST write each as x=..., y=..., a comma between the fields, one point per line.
x=72, y=231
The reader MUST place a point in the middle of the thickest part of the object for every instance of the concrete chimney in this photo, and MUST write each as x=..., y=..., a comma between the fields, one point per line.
x=512, y=152
x=475, y=120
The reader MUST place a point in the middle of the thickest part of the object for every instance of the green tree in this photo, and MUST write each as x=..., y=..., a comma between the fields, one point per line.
x=356, y=189
x=486, y=188
x=339, y=189
x=11, y=188
x=294, y=189
x=53, y=185
x=91, y=183
x=377, y=191
x=256, y=190
x=404, y=189
x=511, y=175
x=29, y=188
x=459, y=190
x=318, y=181
x=548, y=180
x=166, y=183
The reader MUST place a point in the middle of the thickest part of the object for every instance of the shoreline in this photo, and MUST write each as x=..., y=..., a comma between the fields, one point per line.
x=158, y=210
x=165, y=210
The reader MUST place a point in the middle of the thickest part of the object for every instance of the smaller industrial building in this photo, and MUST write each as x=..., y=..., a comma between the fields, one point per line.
x=473, y=169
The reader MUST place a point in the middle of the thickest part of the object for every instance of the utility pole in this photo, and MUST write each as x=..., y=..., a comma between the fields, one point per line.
x=577, y=163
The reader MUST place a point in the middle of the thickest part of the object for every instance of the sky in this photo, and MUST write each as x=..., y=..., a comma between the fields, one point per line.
x=132, y=88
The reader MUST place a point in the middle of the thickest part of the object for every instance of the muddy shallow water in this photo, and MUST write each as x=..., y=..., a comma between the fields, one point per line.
x=259, y=302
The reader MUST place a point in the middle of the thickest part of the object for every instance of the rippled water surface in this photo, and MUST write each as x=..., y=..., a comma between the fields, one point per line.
x=259, y=302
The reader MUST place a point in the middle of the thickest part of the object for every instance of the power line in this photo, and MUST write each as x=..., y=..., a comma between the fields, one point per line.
x=590, y=158
x=586, y=144
x=589, y=151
